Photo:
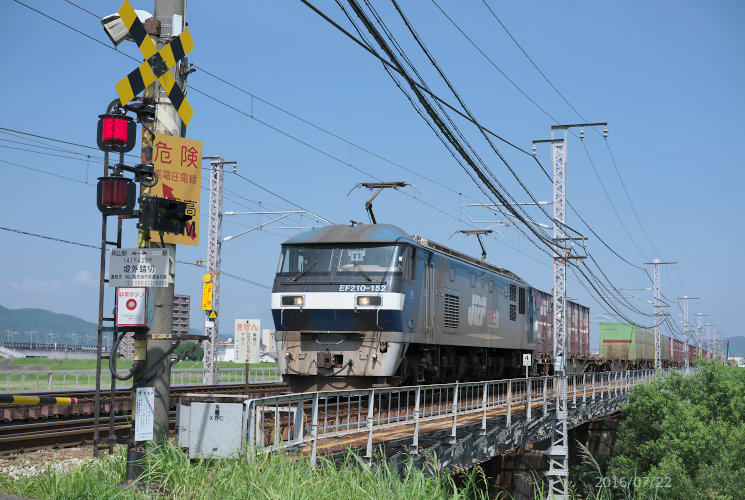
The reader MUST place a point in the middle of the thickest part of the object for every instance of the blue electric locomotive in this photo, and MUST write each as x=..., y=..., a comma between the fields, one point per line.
x=370, y=306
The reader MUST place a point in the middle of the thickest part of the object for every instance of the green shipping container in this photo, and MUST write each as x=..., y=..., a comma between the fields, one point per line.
x=625, y=341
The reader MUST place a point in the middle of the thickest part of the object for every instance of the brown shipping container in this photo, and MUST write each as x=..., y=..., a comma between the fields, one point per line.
x=578, y=330
x=691, y=353
x=544, y=321
x=678, y=352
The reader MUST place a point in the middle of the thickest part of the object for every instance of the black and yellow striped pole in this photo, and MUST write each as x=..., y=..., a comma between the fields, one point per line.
x=36, y=400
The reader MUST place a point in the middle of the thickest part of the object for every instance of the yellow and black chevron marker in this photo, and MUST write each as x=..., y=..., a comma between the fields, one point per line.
x=156, y=66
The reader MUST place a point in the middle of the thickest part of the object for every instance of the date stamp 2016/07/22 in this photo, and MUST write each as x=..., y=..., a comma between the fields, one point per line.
x=640, y=482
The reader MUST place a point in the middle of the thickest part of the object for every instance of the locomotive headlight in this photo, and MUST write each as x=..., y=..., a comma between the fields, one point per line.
x=364, y=300
x=292, y=300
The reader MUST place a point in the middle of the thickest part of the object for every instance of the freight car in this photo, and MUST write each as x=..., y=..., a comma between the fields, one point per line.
x=369, y=305
x=624, y=346
x=577, y=334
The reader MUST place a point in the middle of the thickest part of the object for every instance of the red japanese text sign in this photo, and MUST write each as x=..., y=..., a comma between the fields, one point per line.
x=178, y=163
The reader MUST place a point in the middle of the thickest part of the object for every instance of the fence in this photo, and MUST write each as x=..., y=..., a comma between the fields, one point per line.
x=50, y=380
x=281, y=422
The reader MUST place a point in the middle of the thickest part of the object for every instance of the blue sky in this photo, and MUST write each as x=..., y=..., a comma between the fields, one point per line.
x=668, y=77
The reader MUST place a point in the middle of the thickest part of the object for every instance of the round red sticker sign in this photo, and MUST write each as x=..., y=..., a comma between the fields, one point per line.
x=131, y=304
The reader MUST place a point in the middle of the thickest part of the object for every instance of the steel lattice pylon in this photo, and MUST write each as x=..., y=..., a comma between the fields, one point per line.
x=558, y=452
x=657, y=315
x=213, y=266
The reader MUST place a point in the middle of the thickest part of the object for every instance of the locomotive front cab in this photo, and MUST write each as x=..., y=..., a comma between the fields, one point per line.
x=337, y=299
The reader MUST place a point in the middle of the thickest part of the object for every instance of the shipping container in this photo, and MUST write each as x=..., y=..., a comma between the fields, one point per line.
x=691, y=354
x=577, y=328
x=626, y=342
x=543, y=327
x=578, y=331
x=678, y=353
x=665, y=348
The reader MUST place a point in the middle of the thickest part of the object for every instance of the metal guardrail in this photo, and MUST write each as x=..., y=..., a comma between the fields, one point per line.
x=281, y=422
x=48, y=380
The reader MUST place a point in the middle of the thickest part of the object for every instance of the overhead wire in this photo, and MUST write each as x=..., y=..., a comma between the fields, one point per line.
x=307, y=3
x=85, y=245
x=226, y=104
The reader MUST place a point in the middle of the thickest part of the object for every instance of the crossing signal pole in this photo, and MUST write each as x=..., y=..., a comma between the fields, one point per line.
x=558, y=452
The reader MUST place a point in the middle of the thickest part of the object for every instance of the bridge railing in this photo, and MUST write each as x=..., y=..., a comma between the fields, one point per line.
x=51, y=380
x=297, y=421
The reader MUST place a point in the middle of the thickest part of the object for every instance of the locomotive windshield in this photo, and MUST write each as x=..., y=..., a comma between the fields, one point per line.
x=325, y=260
x=298, y=259
x=371, y=259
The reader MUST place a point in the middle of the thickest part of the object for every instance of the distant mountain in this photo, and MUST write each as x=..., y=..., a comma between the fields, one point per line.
x=22, y=321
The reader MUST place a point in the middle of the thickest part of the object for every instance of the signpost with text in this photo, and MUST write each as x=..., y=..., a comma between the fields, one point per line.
x=178, y=163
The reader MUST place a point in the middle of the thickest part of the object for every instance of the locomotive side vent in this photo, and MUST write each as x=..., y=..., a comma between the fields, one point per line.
x=513, y=312
x=513, y=292
x=521, y=303
x=452, y=312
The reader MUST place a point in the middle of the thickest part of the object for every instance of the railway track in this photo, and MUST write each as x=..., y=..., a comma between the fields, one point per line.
x=85, y=401
x=64, y=431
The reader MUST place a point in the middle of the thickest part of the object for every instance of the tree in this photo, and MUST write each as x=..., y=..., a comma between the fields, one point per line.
x=687, y=433
x=196, y=355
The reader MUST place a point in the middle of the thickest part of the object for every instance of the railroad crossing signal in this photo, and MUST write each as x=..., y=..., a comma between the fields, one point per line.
x=156, y=66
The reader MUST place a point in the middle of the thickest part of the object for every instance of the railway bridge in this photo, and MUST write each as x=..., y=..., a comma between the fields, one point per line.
x=449, y=425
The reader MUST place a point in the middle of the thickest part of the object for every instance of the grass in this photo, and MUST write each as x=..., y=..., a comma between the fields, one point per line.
x=268, y=477
x=38, y=370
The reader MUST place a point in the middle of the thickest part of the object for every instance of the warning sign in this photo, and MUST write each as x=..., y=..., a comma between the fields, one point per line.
x=207, y=296
x=131, y=306
x=178, y=163
x=247, y=340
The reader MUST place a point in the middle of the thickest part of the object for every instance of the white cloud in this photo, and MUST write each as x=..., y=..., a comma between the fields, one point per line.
x=37, y=285
x=85, y=279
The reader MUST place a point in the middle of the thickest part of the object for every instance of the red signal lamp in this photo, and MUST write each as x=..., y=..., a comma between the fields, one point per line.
x=115, y=195
x=116, y=133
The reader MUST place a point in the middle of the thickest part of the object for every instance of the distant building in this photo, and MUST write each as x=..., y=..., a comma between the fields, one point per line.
x=226, y=351
x=127, y=346
x=267, y=341
x=181, y=305
x=181, y=314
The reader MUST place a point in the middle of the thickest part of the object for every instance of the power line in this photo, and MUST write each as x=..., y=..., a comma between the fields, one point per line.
x=636, y=214
x=285, y=133
x=610, y=201
x=44, y=172
x=494, y=64
x=77, y=243
x=483, y=129
x=533, y=62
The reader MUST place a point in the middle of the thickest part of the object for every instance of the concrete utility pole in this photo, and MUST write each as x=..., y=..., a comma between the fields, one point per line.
x=152, y=348
x=170, y=13
x=658, y=312
x=687, y=327
x=214, y=258
x=558, y=452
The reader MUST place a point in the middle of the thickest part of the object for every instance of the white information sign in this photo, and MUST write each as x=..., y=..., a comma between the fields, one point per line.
x=526, y=359
x=132, y=306
x=144, y=413
x=138, y=267
x=247, y=332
